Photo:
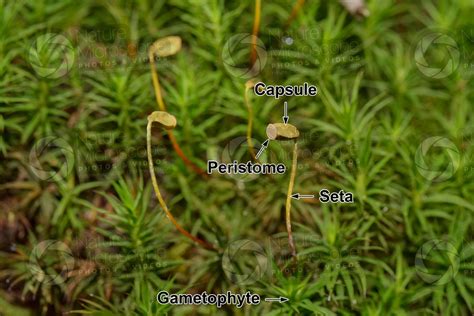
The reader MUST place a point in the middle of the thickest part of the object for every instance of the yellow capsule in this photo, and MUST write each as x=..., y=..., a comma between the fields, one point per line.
x=166, y=46
x=166, y=120
x=282, y=131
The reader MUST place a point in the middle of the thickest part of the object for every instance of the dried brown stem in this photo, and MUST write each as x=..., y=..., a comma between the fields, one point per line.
x=294, y=12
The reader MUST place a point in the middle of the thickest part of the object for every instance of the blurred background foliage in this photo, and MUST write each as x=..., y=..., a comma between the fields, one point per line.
x=81, y=231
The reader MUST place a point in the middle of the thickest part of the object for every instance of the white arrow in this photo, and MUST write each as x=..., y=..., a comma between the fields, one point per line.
x=285, y=113
x=298, y=196
x=280, y=299
x=264, y=146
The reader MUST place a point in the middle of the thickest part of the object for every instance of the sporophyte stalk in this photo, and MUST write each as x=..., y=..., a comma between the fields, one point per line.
x=167, y=122
x=163, y=47
x=281, y=131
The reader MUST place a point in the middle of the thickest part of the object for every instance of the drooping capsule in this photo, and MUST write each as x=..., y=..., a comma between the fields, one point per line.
x=166, y=46
x=166, y=120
